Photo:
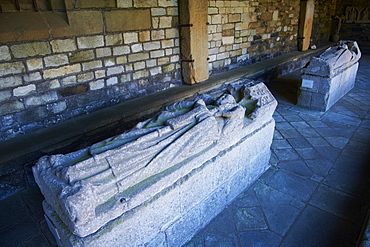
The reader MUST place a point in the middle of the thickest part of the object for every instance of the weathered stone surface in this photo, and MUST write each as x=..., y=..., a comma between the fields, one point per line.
x=56, y=60
x=10, y=81
x=4, y=53
x=117, y=185
x=11, y=68
x=167, y=3
x=41, y=99
x=82, y=22
x=34, y=64
x=5, y=95
x=138, y=57
x=31, y=49
x=64, y=45
x=36, y=76
x=145, y=3
x=124, y=4
x=114, y=39
x=22, y=27
x=332, y=75
x=95, y=4
x=10, y=107
x=334, y=60
x=126, y=20
x=92, y=65
x=90, y=42
x=65, y=70
x=97, y=84
x=85, y=77
x=82, y=56
x=25, y=90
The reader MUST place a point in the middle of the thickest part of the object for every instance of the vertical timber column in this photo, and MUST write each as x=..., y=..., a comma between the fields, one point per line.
x=194, y=40
x=305, y=24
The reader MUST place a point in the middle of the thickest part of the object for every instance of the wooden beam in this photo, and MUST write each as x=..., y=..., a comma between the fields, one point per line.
x=194, y=40
x=305, y=24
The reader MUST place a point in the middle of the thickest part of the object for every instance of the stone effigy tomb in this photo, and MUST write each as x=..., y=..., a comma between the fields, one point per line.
x=328, y=77
x=162, y=181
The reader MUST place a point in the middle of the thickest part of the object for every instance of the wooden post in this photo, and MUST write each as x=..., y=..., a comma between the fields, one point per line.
x=194, y=40
x=305, y=24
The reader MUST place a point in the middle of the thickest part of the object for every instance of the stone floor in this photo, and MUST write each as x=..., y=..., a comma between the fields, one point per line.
x=315, y=193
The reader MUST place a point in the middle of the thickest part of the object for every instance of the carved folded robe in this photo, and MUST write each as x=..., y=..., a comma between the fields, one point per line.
x=90, y=187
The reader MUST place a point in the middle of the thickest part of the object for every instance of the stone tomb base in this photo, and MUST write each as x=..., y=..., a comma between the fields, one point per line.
x=164, y=180
x=174, y=216
x=329, y=90
x=327, y=78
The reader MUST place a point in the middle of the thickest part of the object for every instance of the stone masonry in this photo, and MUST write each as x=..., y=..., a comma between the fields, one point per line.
x=125, y=51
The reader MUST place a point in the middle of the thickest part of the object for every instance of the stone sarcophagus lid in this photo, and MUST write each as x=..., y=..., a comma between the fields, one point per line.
x=328, y=77
x=160, y=182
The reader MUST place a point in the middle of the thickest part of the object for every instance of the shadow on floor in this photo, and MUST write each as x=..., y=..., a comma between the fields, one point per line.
x=286, y=86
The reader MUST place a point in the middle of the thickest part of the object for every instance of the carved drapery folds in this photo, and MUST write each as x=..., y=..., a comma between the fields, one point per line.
x=357, y=14
x=90, y=187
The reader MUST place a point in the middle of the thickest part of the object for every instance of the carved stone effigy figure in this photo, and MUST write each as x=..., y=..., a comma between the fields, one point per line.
x=90, y=187
x=332, y=75
x=334, y=59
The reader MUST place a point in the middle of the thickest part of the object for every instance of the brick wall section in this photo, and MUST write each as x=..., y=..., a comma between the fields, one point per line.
x=243, y=32
x=323, y=18
x=114, y=50
x=48, y=81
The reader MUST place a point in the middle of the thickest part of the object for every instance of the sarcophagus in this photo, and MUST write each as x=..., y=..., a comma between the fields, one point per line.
x=163, y=180
x=328, y=77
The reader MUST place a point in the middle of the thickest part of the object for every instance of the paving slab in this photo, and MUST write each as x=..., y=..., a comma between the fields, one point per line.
x=320, y=167
x=287, y=154
x=298, y=167
x=291, y=133
x=318, y=142
x=317, y=228
x=277, y=224
x=259, y=239
x=346, y=182
x=338, y=203
x=308, y=153
x=293, y=185
x=299, y=143
x=252, y=218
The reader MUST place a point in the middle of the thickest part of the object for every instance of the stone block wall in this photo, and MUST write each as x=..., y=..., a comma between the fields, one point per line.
x=109, y=51
x=70, y=58
x=323, y=18
x=243, y=32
